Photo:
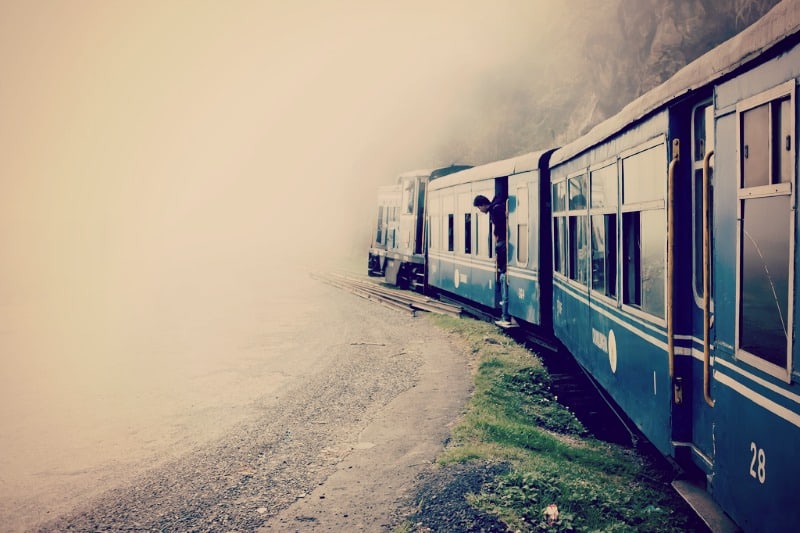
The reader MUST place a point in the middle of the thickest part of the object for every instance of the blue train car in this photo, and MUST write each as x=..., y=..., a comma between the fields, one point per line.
x=674, y=230
x=461, y=248
x=405, y=254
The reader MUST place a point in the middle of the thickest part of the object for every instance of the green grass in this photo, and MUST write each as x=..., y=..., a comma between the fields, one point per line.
x=513, y=417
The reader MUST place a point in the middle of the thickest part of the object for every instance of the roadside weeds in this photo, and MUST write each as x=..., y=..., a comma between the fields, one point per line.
x=517, y=460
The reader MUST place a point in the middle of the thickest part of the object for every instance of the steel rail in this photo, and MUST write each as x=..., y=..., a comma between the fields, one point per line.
x=394, y=298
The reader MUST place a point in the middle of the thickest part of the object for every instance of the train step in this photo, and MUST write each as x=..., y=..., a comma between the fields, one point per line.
x=706, y=508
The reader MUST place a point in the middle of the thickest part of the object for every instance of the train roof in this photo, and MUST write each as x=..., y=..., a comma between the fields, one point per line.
x=431, y=173
x=495, y=169
x=421, y=173
x=781, y=22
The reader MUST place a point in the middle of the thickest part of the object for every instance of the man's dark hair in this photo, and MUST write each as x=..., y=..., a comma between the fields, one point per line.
x=480, y=200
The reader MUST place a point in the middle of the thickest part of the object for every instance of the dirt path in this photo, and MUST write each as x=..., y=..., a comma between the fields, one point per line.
x=375, y=478
x=339, y=449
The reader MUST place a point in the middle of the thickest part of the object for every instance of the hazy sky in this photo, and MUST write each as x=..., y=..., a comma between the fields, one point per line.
x=145, y=143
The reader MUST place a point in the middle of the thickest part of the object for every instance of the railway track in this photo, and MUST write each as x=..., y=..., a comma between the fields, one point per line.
x=404, y=301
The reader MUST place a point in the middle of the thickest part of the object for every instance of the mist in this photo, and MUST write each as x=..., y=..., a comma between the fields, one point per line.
x=160, y=160
x=171, y=170
x=166, y=155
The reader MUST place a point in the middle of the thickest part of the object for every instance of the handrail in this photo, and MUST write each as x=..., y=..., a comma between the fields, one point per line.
x=707, y=282
x=676, y=157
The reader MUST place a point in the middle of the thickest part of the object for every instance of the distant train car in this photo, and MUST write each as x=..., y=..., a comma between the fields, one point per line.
x=461, y=250
x=385, y=234
x=674, y=249
x=403, y=252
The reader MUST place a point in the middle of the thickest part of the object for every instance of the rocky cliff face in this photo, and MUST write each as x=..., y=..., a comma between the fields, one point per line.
x=650, y=40
x=604, y=56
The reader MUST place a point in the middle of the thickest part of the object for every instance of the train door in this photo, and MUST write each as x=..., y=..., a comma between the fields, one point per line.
x=408, y=215
x=701, y=343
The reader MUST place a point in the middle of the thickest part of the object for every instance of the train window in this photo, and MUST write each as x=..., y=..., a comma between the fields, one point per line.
x=577, y=234
x=644, y=230
x=765, y=279
x=578, y=249
x=604, y=187
x=703, y=134
x=559, y=250
x=434, y=230
x=434, y=223
x=703, y=141
x=653, y=255
x=522, y=244
x=408, y=197
x=642, y=177
x=477, y=230
x=577, y=192
x=643, y=261
x=468, y=233
x=560, y=262
x=559, y=203
x=785, y=127
x=766, y=134
x=379, y=236
x=604, y=254
x=755, y=147
x=521, y=216
x=766, y=230
x=603, y=220
x=631, y=259
x=490, y=240
x=450, y=233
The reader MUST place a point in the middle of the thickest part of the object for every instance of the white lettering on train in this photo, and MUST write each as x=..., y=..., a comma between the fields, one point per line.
x=600, y=340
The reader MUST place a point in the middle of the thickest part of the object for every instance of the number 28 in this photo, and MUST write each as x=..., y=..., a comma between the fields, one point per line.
x=758, y=464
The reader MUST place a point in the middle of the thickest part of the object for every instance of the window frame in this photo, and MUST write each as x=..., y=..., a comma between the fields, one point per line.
x=434, y=223
x=640, y=207
x=706, y=107
x=408, y=201
x=580, y=214
x=558, y=232
x=520, y=221
x=603, y=211
x=784, y=188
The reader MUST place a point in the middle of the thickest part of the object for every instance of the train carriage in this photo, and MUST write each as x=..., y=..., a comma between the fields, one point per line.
x=674, y=231
x=461, y=252
x=402, y=259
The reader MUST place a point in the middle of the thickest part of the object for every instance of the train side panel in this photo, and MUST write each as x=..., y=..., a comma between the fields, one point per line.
x=755, y=382
x=609, y=253
x=461, y=256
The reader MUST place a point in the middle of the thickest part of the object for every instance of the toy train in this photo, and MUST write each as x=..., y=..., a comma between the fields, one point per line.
x=661, y=249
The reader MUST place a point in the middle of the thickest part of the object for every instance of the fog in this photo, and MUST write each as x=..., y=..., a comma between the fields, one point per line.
x=170, y=170
x=155, y=151
x=140, y=137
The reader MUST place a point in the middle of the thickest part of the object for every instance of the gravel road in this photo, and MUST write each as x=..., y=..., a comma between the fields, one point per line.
x=338, y=447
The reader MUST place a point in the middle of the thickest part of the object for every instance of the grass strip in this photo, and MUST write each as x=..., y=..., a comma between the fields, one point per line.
x=513, y=418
